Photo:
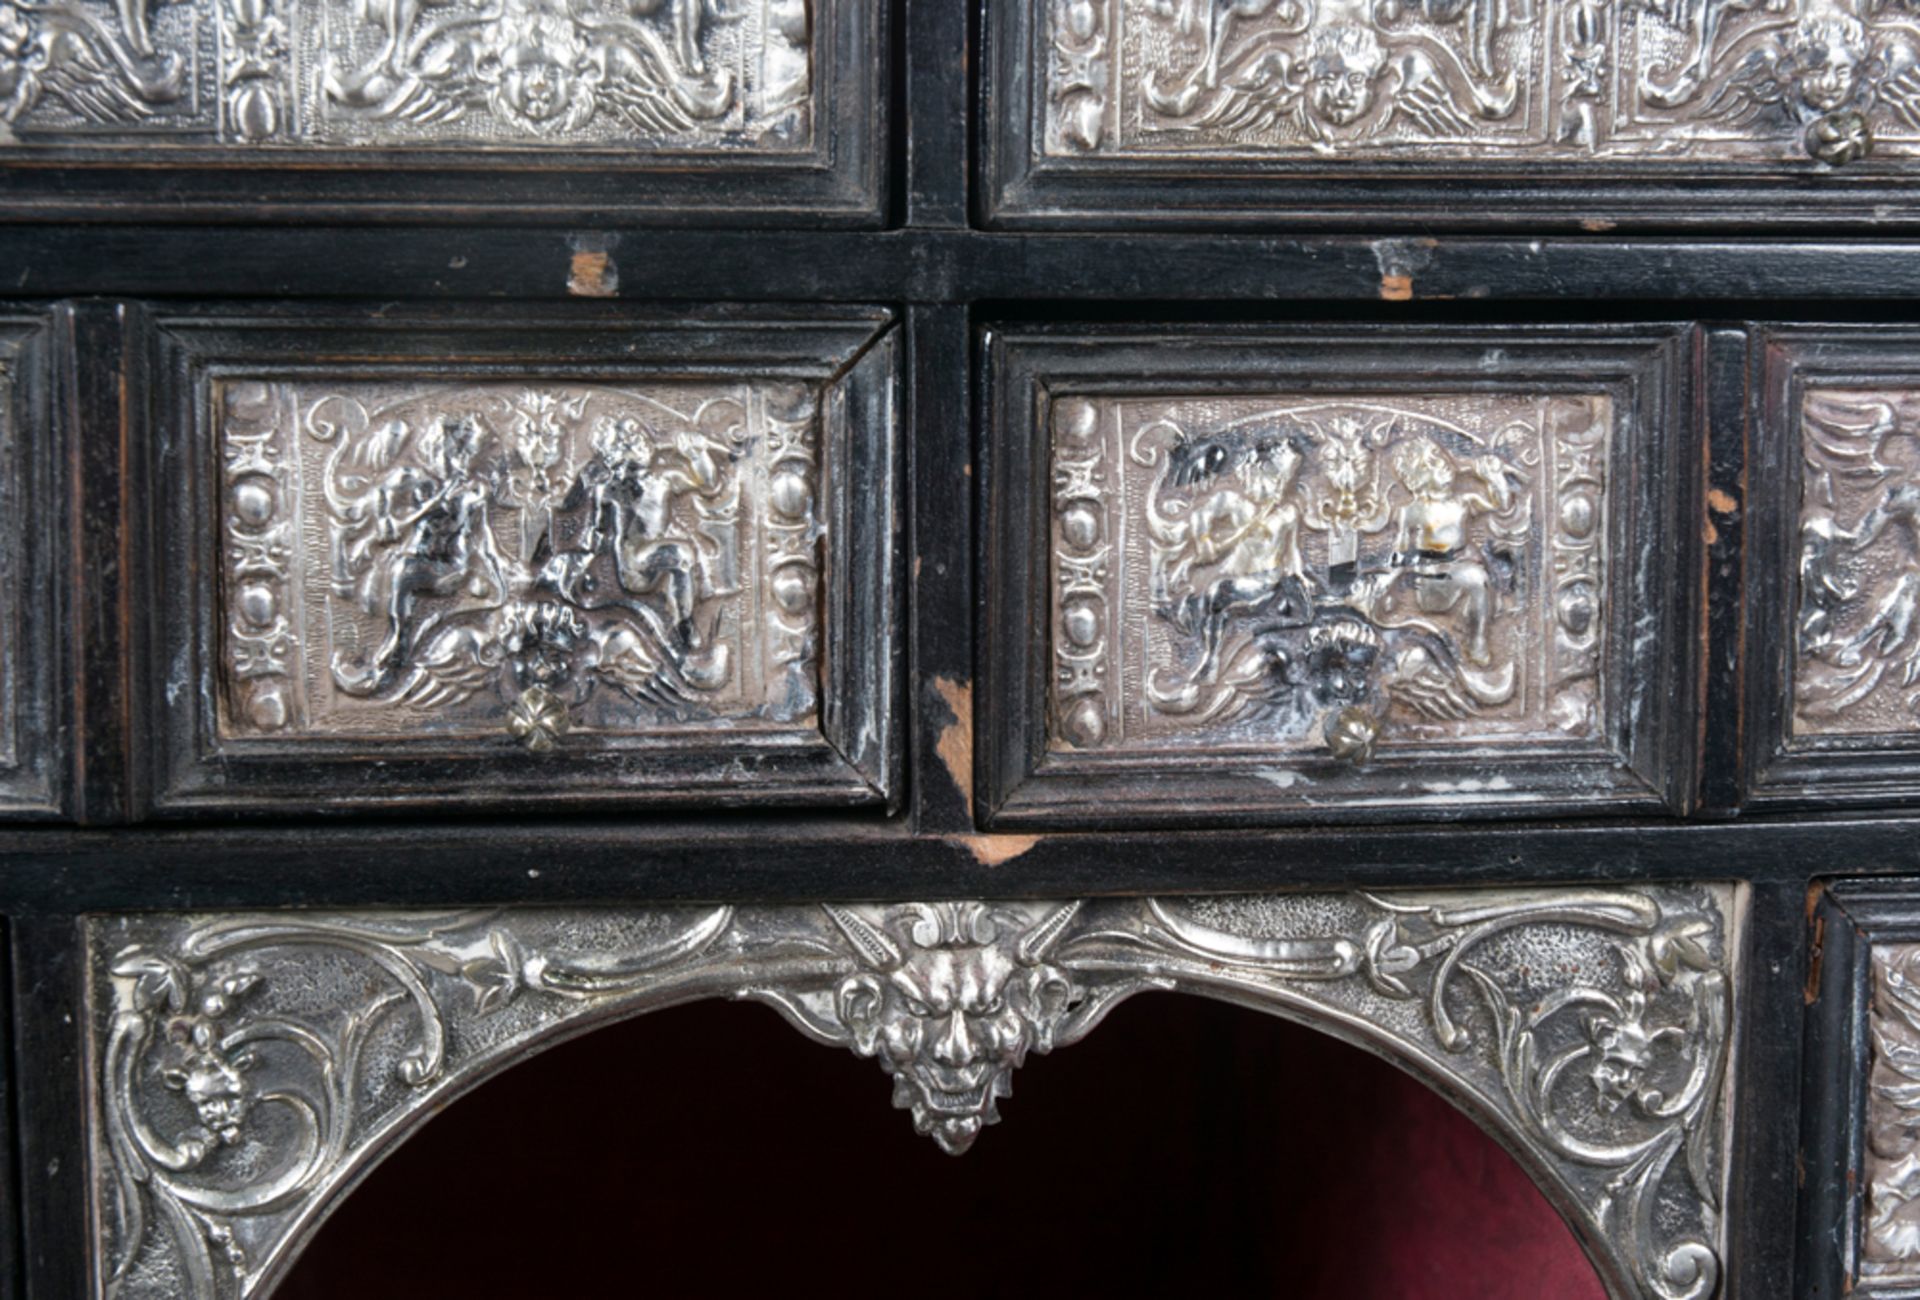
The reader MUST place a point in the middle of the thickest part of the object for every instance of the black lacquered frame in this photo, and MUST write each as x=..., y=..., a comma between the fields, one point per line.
x=948, y=281
x=1636, y=767
x=847, y=757
x=838, y=180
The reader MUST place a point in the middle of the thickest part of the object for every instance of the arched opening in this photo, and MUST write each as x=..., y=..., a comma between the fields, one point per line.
x=1188, y=1147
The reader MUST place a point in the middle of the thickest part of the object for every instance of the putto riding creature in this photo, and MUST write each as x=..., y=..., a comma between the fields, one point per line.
x=1288, y=606
x=619, y=536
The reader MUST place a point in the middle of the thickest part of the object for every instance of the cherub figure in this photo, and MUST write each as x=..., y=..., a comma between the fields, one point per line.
x=1343, y=84
x=1826, y=56
x=1250, y=535
x=1431, y=544
x=1344, y=63
x=629, y=489
x=432, y=524
x=1830, y=73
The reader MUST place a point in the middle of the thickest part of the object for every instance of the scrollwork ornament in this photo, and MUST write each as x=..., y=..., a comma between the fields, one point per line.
x=250, y=1066
x=1744, y=80
x=539, y=561
x=646, y=74
x=1327, y=576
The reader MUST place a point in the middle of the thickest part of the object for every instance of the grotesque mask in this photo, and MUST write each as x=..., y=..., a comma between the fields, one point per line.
x=953, y=998
x=211, y=1079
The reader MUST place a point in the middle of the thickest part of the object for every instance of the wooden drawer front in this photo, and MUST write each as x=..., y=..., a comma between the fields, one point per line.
x=1860, y=1139
x=763, y=108
x=1325, y=575
x=33, y=600
x=1837, y=710
x=1700, y=112
x=625, y=558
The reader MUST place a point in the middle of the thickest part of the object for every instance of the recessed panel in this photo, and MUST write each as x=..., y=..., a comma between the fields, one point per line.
x=690, y=95
x=1327, y=575
x=1290, y=574
x=573, y=556
x=1553, y=79
x=33, y=744
x=1574, y=113
x=539, y=559
x=1836, y=707
x=1857, y=669
x=654, y=74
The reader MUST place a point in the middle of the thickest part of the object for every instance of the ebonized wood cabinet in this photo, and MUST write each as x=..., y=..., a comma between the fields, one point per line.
x=939, y=518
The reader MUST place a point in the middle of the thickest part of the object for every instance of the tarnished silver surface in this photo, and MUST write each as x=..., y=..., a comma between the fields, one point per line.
x=403, y=559
x=615, y=74
x=1520, y=80
x=1294, y=573
x=249, y=1067
x=1858, y=666
x=1890, y=1244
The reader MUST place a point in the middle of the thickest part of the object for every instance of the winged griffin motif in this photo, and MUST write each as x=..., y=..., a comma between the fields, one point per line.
x=544, y=67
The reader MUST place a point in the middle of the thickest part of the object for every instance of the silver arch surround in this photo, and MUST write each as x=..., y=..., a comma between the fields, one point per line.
x=249, y=1069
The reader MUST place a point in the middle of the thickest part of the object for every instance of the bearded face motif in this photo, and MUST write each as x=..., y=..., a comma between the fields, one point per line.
x=1425, y=469
x=625, y=445
x=953, y=1001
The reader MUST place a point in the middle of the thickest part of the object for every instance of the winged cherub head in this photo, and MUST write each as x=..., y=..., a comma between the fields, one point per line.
x=1827, y=55
x=538, y=70
x=1344, y=62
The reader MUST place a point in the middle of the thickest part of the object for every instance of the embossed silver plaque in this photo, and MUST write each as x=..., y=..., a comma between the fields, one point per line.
x=1291, y=573
x=410, y=559
x=1327, y=573
x=248, y=1067
x=598, y=555
x=1509, y=80
x=1858, y=665
x=1835, y=704
x=1890, y=1240
x=494, y=74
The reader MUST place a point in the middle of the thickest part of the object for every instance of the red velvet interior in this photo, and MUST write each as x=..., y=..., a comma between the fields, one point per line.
x=1186, y=1147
